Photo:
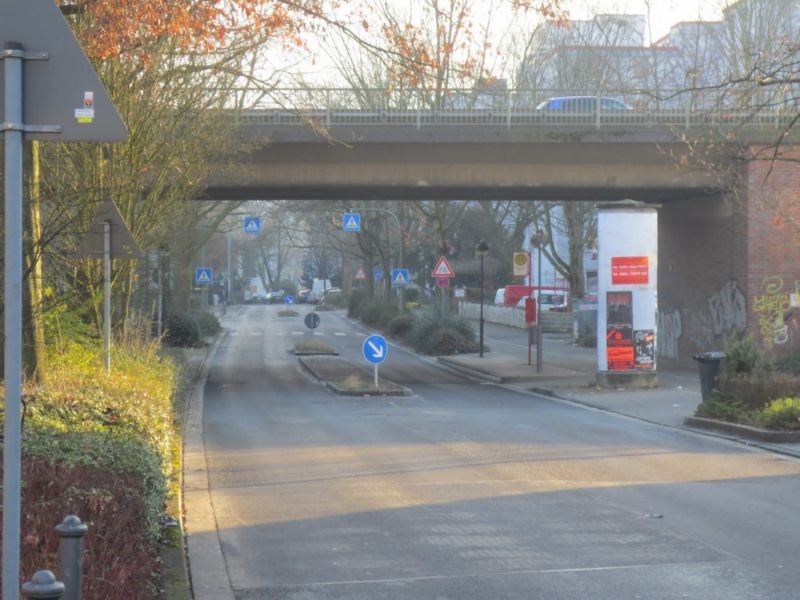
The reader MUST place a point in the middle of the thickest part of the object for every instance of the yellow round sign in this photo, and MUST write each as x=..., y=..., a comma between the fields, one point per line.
x=520, y=258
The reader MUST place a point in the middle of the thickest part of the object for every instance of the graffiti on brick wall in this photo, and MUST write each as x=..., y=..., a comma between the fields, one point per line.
x=728, y=309
x=670, y=329
x=770, y=308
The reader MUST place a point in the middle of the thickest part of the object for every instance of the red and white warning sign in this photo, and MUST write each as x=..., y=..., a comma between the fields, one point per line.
x=443, y=269
x=360, y=274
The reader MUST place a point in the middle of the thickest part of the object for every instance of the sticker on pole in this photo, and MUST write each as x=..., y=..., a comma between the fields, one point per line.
x=203, y=276
x=351, y=222
x=252, y=224
x=375, y=349
x=443, y=268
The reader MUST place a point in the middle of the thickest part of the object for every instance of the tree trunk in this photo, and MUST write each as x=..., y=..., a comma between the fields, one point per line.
x=33, y=358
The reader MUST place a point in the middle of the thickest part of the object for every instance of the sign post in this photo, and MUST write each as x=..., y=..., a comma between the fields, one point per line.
x=49, y=102
x=375, y=350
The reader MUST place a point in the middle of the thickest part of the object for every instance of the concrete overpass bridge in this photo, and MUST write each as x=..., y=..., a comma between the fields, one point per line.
x=716, y=217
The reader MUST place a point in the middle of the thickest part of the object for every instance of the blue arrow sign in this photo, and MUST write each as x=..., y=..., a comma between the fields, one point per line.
x=399, y=277
x=252, y=224
x=289, y=300
x=203, y=276
x=351, y=222
x=377, y=273
x=375, y=349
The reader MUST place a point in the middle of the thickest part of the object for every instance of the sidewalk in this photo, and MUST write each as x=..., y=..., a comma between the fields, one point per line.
x=568, y=372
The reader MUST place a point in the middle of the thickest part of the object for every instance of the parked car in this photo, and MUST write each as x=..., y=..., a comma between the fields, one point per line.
x=583, y=104
x=274, y=297
x=302, y=295
x=330, y=295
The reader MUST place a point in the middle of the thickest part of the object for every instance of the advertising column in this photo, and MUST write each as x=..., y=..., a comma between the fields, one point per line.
x=627, y=300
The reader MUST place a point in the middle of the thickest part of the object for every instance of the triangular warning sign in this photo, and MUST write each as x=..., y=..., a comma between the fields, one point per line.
x=400, y=279
x=62, y=91
x=202, y=277
x=443, y=269
x=360, y=274
x=122, y=243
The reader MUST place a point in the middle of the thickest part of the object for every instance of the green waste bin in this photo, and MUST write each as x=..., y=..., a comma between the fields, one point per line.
x=708, y=363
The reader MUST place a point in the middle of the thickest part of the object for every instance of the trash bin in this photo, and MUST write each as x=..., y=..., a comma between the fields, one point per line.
x=708, y=363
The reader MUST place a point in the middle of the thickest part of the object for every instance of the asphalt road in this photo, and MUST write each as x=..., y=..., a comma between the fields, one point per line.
x=474, y=491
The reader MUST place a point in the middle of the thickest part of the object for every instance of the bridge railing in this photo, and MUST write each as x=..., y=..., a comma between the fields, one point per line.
x=516, y=107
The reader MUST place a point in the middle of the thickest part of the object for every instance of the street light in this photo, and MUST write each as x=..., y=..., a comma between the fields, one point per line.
x=539, y=240
x=481, y=249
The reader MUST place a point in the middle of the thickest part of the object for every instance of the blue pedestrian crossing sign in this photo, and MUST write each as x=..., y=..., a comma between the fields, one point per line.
x=375, y=349
x=351, y=222
x=399, y=277
x=252, y=224
x=203, y=276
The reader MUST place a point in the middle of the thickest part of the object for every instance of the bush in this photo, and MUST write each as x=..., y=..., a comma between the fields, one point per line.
x=182, y=330
x=754, y=392
x=789, y=364
x=743, y=357
x=378, y=313
x=425, y=339
x=783, y=413
x=355, y=303
x=120, y=557
x=401, y=326
x=288, y=286
x=722, y=408
x=411, y=294
x=208, y=323
x=446, y=341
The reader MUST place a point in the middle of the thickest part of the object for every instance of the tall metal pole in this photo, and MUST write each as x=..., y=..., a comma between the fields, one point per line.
x=228, y=283
x=12, y=454
x=539, y=314
x=481, y=317
x=160, y=298
x=107, y=295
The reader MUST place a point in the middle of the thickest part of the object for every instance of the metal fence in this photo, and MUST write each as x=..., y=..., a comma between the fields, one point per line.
x=509, y=108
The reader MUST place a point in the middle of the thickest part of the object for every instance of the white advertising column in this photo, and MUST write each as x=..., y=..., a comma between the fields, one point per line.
x=627, y=302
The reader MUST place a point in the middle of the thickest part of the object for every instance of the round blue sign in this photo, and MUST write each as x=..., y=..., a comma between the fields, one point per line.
x=375, y=349
x=289, y=299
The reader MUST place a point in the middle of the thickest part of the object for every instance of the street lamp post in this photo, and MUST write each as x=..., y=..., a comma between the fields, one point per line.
x=481, y=249
x=539, y=240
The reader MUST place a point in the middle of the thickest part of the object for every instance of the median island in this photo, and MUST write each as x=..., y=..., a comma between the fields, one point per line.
x=347, y=379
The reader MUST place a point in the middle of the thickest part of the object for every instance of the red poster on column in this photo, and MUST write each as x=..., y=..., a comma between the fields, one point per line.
x=619, y=331
x=627, y=270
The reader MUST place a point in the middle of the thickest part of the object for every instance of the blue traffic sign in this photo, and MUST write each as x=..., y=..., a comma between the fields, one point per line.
x=203, y=276
x=375, y=349
x=377, y=273
x=252, y=224
x=351, y=222
x=399, y=277
x=289, y=300
x=311, y=320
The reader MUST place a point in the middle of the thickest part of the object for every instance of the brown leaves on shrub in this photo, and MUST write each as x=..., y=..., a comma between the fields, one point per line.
x=119, y=562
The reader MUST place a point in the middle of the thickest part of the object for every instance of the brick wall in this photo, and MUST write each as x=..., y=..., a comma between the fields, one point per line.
x=729, y=264
x=701, y=276
x=773, y=252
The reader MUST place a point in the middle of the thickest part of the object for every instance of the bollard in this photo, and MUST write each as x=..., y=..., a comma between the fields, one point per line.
x=43, y=586
x=70, y=549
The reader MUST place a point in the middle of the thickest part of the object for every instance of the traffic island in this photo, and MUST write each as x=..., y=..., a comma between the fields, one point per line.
x=346, y=379
x=313, y=348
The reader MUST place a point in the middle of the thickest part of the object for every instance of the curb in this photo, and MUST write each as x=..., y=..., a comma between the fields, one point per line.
x=746, y=431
